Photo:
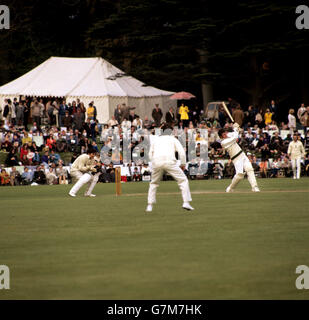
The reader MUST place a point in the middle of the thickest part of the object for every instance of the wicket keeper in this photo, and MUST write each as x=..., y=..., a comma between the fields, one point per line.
x=84, y=170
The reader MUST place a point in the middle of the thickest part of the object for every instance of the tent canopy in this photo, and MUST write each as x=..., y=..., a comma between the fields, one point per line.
x=88, y=79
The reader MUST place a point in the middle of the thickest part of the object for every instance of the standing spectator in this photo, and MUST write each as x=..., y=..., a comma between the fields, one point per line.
x=78, y=120
x=184, y=115
x=267, y=117
x=259, y=119
x=7, y=111
x=157, y=115
x=90, y=112
x=95, y=110
x=125, y=112
x=118, y=113
x=26, y=114
x=292, y=121
x=13, y=115
x=67, y=120
x=20, y=114
x=170, y=117
x=304, y=120
x=1, y=116
x=238, y=116
x=273, y=110
x=300, y=111
x=37, y=113
x=50, y=112
x=62, y=111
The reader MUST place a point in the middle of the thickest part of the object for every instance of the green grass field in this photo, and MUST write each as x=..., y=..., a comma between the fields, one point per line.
x=233, y=246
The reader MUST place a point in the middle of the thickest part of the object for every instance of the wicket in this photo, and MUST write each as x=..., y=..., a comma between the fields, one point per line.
x=118, y=181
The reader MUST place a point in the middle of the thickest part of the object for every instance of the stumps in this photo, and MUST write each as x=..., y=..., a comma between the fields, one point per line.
x=118, y=181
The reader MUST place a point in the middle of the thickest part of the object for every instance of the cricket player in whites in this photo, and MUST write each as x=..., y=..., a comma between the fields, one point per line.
x=296, y=151
x=241, y=162
x=83, y=169
x=162, y=156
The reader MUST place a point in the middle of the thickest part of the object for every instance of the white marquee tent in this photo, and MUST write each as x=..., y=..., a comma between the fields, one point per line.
x=89, y=79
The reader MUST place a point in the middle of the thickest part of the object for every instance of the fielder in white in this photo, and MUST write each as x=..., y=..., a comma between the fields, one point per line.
x=162, y=157
x=296, y=152
x=83, y=169
x=240, y=160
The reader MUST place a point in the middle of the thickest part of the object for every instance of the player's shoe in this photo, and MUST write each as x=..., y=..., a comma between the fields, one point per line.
x=89, y=195
x=255, y=189
x=72, y=194
x=229, y=189
x=294, y=177
x=187, y=206
x=149, y=208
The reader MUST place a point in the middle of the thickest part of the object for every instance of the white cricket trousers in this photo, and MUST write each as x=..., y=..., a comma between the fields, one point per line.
x=242, y=164
x=296, y=167
x=83, y=178
x=175, y=171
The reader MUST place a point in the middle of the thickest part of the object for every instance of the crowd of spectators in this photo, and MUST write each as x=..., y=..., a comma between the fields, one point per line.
x=39, y=139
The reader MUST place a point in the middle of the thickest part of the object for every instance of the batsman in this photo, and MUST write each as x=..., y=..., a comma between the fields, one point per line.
x=241, y=162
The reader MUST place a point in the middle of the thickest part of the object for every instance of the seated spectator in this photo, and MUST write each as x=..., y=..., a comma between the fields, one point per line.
x=136, y=176
x=51, y=142
x=26, y=139
x=273, y=126
x=39, y=176
x=23, y=154
x=62, y=174
x=287, y=167
x=5, y=178
x=145, y=170
x=51, y=177
x=54, y=157
x=229, y=169
x=275, y=167
x=109, y=175
x=15, y=177
x=45, y=158
x=61, y=144
x=112, y=122
x=36, y=159
x=217, y=169
x=12, y=159
x=26, y=176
